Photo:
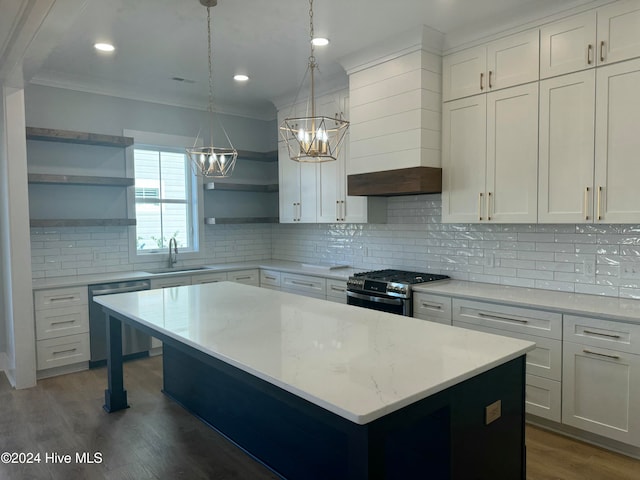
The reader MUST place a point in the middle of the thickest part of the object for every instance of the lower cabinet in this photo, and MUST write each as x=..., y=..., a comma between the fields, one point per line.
x=336, y=290
x=306, y=285
x=601, y=378
x=248, y=277
x=544, y=364
x=62, y=330
x=434, y=308
x=270, y=279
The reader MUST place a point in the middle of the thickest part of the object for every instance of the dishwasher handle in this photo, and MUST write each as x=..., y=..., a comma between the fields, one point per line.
x=112, y=290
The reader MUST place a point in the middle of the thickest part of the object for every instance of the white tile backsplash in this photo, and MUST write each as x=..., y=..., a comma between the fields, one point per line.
x=536, y=256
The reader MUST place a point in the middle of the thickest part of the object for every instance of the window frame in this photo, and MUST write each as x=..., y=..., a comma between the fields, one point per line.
x=158, y=141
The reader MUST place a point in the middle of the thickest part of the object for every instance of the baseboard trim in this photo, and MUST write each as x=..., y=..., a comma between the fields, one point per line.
x=587, y=437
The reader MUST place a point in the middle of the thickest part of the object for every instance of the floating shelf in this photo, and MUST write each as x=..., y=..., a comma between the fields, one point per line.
x=241, y=187
x=239, y=220
x=85, y=222
x=258, y=156
x=80, y=180
x=68, y=136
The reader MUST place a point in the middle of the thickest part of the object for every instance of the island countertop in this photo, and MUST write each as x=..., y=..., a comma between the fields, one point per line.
x=357, y=363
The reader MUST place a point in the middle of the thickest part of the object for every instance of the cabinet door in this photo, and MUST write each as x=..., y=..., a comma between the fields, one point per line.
x=464, y=159
x=307, y=208
x=567, y=122
x=512, y=155
x=600, y=391
x=619, y=32
x=170, y=282
x=617, y=143
x=568, y=46
x=329, y=197
x=289, y=186
x=513, y=60
x=248, y=277
x=463, y=73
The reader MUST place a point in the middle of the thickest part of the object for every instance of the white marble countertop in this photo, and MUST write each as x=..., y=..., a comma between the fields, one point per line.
x=357, y=363
x=282, y=265
x=614, y=308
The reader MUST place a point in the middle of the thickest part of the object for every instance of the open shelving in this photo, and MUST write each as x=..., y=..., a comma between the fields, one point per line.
x=83, y=138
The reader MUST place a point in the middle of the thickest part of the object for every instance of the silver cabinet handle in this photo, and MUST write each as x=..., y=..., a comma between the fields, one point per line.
x=602, y=51
x=490, y=73
x=589, y=54
x=60, y=299
x=71, y=350
x=488, y=206
x=480, y=206
x=270, y=278
x=481, y=81
x=431, y=305
x=586, y=203
x=337, y=210
x=244, y=278
x=303, y=284
x=608, y=335
x=498, y=317
x=62, y=322
x=337, y=289
x=614, y=357
x=344, y=210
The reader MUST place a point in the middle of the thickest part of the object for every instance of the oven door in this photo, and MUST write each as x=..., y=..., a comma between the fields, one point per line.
x=383, y=303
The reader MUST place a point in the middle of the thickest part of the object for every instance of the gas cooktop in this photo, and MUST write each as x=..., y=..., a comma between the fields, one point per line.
x=396, y=283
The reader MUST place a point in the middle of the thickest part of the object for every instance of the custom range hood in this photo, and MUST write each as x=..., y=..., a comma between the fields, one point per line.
x=395, y=105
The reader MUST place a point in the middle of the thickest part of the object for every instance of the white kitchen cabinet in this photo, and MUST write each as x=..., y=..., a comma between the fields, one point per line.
x=599, y=37
x=336, y=290
x=62, y=330
x=248, y=277
x=490, y=157
x=434, y=308
x=601, y=377
x=600, y=391
x=566, y=141
x=270, y=279
x=617, y=143
x=543, y=382
x=307, y=285
x=298, y=198
x=500, y=64
x=208, y=278
x=568, y=45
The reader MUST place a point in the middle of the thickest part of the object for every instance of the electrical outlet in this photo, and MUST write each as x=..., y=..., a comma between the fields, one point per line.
x=630, y=270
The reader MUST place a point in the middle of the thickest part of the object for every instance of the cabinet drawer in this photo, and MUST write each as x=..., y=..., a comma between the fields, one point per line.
x=269, y=278
x=623, y=337
x=436, y=308
x=513, y=319
x=543, y=361
x=208, y=278
x=304, y=284
x=58, y=322
x=60, y=297
x=248, y=277
x=170, y=282
x=543, y=397
x=57, y=352
x=337, y=289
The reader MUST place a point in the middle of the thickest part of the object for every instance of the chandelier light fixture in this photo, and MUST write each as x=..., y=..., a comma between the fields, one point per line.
x=314, y=138
x=212, y=162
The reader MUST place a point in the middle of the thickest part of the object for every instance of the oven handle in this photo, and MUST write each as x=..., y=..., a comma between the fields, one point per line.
x=371, y=298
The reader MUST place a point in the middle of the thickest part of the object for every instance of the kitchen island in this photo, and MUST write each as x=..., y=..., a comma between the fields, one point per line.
x=315, y=389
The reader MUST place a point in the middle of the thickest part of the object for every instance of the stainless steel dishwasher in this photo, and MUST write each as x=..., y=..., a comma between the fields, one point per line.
x=135, y=344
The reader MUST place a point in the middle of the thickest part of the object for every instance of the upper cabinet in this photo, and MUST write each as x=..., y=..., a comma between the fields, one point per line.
x=490, y=157
x=500, y=64
x=317, y=193
x=599, y=37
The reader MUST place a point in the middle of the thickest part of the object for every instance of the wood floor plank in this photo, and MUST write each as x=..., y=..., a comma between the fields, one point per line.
x=157, y=439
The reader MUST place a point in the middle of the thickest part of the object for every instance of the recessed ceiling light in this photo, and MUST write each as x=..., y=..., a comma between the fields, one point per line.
x=104, y=47
x=240, y=78
x=320, y=41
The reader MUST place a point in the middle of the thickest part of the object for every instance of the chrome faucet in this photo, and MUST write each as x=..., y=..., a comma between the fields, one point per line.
x=173, y=255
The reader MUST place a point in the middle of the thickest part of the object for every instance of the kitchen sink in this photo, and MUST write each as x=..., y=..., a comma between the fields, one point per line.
x=174, y=270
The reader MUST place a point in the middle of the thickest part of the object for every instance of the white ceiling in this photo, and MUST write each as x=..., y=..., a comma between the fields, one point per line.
x=268, y=40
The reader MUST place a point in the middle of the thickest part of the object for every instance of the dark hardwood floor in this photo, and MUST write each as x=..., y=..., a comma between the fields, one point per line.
x=157, y=439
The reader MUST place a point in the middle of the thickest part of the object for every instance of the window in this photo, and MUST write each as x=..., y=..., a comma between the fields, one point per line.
x=164, y=200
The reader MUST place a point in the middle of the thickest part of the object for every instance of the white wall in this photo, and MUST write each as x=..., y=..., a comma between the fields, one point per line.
x=4, y=275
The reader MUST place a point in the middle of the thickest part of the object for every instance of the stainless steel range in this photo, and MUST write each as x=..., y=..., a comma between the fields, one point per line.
x=386, y=290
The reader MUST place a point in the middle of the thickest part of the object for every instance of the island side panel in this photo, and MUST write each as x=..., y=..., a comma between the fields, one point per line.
x=115, y=396
x=298, y=439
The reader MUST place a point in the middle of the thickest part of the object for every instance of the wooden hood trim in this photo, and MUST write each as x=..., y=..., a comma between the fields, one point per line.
x=403, y=181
